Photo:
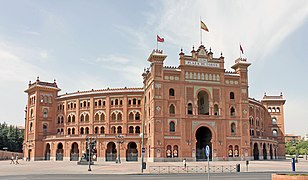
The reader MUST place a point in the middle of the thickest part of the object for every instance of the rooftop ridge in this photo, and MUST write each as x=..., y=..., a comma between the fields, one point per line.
x=102, y=90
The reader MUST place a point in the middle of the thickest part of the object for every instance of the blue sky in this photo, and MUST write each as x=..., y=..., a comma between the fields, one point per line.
x=99, y=44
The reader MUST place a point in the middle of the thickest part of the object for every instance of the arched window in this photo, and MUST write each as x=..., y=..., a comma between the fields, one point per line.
x=139, y=101
x=87, y=130
x=168, y=152
x=203, y=103
x=269, y=109
x=131, y=116
x=119, y=130
x=82, y=130
x=278, y=109
x=102, y=117
x=134, y=101
x=69, y=119
x=216, y=110
x=73, y=118
x=119, y=116
x=230, y=151
x=96, y=117
x=73, y=130
x=171, y=109
x=171, y=92
x=275, y=133
x=62, y=120
x=137, y=130
x=84, y=104
x=274, y=120
x=113, y=116
x=44, y=129
x=171, y=126
x=130, y=102
x=111, y=102
x=113, y=129
x=189, y=108
x=69, y=131
x=45, y=112
x=175, y=151
x=121, y=102
x=87, y=118
x=58, y=120
x=102, y=130
x=137, y=116
x=236, y=151
x=273, y=109
x=232, y=111
x=131, y=129
x=99, y=102
x=233, y=128
x=81, y=118
x=96, y=130
x=231, y=95
x=116, y=102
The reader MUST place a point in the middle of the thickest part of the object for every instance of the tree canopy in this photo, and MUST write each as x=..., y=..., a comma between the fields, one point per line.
x=11, y=138
x=298, y=147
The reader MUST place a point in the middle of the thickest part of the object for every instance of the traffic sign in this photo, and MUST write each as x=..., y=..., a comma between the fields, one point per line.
x=207, y=150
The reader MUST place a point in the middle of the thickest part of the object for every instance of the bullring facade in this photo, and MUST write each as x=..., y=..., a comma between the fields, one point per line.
x=182, y=109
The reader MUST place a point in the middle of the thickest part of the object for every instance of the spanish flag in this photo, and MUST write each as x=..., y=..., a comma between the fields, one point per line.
x=204, y=27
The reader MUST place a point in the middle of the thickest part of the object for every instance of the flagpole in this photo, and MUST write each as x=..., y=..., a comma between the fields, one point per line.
x=200, y=31
x=156, y=42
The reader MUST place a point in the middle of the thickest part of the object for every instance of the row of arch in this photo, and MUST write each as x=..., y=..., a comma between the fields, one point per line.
x=273, y=109
x=256, y=151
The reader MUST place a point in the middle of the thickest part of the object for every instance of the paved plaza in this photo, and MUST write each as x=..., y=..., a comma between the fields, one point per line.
x=100, y=167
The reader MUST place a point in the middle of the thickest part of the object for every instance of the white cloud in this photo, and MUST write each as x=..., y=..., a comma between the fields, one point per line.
x=44, y=54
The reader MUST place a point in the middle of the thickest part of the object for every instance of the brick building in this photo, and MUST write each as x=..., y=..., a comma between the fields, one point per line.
x=182, y=109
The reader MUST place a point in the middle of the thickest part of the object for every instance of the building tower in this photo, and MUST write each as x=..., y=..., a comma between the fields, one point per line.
x=40, y=117
x=274, y=105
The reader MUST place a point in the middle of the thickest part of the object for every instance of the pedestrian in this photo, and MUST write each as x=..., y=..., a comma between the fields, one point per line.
x=184, y=163
x=16, y=162
x=12, y=159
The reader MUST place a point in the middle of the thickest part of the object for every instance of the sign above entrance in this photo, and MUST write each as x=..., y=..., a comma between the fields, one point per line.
x=201, y=62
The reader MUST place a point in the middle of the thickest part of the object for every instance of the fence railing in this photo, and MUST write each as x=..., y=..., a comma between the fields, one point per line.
x=191, y=169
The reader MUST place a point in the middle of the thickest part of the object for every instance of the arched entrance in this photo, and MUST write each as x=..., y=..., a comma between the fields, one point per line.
x=111, y=152
x=59, y=152
x=204, y=137
x=131, y=152
x=47, y=152
x=74, y=155
x=264, y=151
x=271, y=151
x=255, y=151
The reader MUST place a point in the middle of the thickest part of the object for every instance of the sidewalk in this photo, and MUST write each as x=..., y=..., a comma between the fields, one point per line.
x=101, y=167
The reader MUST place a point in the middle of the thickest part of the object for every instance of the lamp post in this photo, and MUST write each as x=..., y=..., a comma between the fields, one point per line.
x=91, y=142
x=120, y=140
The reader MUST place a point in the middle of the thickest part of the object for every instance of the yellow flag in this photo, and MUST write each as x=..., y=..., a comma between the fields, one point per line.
x=204, y=27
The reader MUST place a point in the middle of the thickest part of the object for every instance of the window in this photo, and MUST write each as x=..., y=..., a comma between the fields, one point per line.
x=119, y=116
x=69, y=119
x=131, y=116
x=102, y=130
x=231, y=95
x=274, y=120
x=73, y=130
x=119, y=130
x=102, y=117
x=62, y=120
x=45, y=112
x=168, y=152
x=175, y=151
x=171, y=109
x=189, y=108
x=275, y=133
x=233, y=128
x=134, y=101
x=137, y=130
x=111, y=102
x=121, y=102
x=81, y=118
x=69, y=131
x=113, y=116
x=87, y=118
x=73, y=118
x=84, y=104
x=129, y=102
x=96, y=130
x=171, y=92
x=82, y=130
x=113, y=130
x=203, y=103
x=171, y=126
x=44, y=129
x=87, y=130
x=216, y=110
x=137, y=116
x=139, y=101
x=131, y=129
x=99, y=102
x=230, y=151
x=116, y=102
x=96, y=117
x=236, y=151
x=232, y=111
x=278, y=109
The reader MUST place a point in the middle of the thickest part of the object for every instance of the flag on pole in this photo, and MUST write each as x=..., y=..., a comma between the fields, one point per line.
x=241, y=49
x=159, y=39
x=204, y=27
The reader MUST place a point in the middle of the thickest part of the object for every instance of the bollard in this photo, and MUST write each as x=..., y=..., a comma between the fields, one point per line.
x=238, y=168
x=293, y=164
x=247, y=163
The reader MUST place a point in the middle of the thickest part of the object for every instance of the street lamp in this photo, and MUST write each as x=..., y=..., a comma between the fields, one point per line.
x=91, y=143
x=120, y=140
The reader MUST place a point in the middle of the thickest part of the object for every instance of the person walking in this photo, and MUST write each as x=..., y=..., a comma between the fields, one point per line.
x=16, y=162
x=12, y=159
x=184, y=163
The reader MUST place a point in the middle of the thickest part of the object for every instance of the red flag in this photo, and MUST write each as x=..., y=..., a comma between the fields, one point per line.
x=159, y=39
x=241, y=49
